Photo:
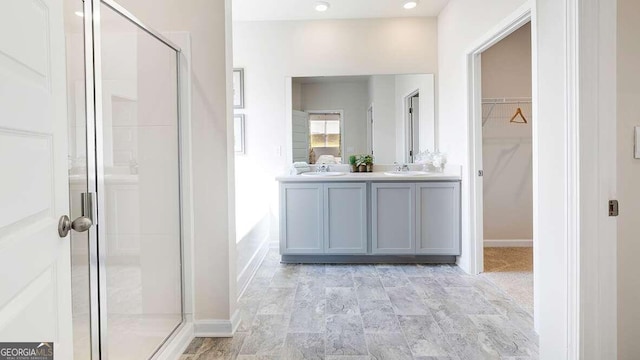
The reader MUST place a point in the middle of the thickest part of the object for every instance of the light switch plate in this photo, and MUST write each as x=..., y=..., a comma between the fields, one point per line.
x=637, y=142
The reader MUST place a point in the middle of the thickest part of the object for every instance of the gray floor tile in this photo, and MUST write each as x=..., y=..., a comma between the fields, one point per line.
x=506, y=339
x=370, y=288
x=378, y=317
x=308, y=316
x=452, y=281
x=416, y=270
x=338, y=269
x=469, y=301
x=285, y=277
x=428, y=287
x=424, y=336
x=277, y=301
x=345, y=335
x=312, y=270
x=406, y=301
x=473, y=346
x=304, y=346
x=364, y=271
x=341, y=300
x=260, y=357
x=388, y=347
x=310, y=289
x=267, y=335
x=338, y=280
x=392, y=276
x=367, y=312
x=450, y=318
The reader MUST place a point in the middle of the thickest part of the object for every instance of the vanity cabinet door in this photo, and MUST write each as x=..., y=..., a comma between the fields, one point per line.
x=438, y=218
x=393, y=218
x=345, y=218
x=301, y=219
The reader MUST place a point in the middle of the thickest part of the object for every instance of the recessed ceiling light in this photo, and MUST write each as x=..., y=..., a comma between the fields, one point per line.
x=410, y=4
x=79, y=13
x=322, y=6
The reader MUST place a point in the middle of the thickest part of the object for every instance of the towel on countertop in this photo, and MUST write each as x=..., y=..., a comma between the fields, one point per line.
x=299, y=168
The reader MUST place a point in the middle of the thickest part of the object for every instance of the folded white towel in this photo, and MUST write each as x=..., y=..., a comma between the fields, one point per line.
x=300, y=164
x=294, y=170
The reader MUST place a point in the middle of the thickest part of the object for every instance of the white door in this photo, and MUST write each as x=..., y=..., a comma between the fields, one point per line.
x=35, y=281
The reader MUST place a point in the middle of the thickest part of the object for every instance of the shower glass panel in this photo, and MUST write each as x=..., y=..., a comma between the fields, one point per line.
x=139, y=232
x=78, y=177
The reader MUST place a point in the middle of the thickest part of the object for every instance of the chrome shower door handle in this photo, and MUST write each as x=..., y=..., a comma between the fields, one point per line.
x=80, y=224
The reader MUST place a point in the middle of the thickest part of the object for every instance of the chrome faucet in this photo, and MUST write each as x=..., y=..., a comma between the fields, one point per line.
x=322, y=168
x=401, y=167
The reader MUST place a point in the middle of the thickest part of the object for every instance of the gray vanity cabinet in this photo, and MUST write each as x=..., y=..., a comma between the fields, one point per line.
x=370, y=218
x=393, y=218
x=301, y=219
x=345, y=218
x=438, y=218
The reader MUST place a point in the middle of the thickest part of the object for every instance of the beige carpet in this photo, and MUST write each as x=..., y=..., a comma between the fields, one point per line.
x=511, y=269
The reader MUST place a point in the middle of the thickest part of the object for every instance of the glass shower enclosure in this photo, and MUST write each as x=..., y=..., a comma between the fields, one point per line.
x=124, y=172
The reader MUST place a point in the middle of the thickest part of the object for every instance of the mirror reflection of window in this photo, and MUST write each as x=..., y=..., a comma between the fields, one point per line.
x=324, y=138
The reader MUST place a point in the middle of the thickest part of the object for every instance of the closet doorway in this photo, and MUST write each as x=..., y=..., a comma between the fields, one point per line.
x=507, y=166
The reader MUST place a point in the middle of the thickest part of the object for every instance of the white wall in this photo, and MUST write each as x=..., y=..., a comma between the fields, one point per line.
x=628, y=180
x=404, y=86
x=387, y=94
x=271, y=51
x=460, y=26
x=382, y=92
x=506, y=147
x=351, y=98
x=212, y=148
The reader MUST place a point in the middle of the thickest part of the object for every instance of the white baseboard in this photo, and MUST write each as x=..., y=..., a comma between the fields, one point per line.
x=217, y=328
x=250, y=269
x=177, y=344
x=508, y=243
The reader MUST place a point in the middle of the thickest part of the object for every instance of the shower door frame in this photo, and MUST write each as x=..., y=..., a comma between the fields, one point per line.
x=95, y=168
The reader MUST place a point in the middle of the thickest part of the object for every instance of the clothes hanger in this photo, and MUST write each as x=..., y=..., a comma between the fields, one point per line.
x=518, y=112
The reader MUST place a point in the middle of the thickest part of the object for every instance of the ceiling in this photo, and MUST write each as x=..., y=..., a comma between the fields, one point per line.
x=264, y=10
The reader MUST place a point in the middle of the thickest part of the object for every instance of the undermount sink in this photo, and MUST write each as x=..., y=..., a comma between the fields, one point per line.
x=321, y=174
x=406, y=173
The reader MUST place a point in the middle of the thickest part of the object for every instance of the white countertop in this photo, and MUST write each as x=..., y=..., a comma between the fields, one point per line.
x=449, y=174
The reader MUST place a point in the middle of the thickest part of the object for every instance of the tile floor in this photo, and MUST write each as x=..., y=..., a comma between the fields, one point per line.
x=358, y=312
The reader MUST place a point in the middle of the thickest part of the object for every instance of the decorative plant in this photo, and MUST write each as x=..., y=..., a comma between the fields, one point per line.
x=364, y=160
x=352, y=159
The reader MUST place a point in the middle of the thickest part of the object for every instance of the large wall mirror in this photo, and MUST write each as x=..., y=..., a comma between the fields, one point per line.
x=389, y=116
